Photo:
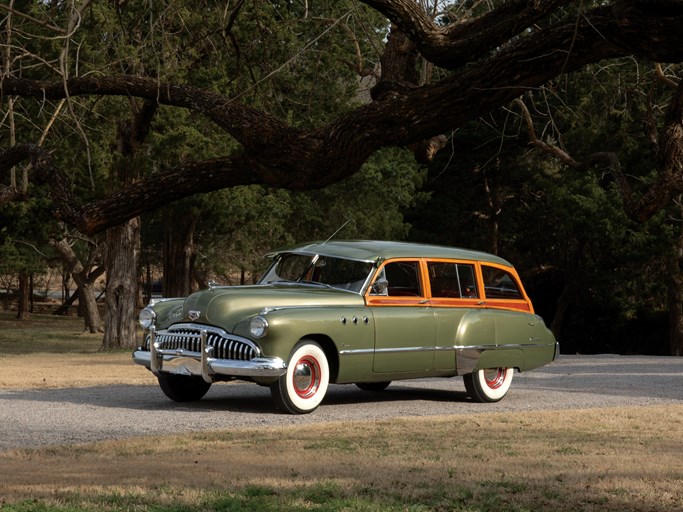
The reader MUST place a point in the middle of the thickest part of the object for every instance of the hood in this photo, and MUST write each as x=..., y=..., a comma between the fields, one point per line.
x=226, y=306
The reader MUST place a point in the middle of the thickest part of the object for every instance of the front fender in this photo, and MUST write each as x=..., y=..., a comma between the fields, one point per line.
x=167, y=311
x=351, y=331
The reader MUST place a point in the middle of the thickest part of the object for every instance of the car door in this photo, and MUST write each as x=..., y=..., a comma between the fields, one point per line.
x=404, y=321
x=454, y=293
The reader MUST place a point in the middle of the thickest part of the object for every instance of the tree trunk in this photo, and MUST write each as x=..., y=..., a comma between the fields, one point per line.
x=676, y=308
x=121, y=261
x=675, y=297
x=24, y=291
x=85, y=281
x=88, y=302
x=123, y=240
x=179, y=251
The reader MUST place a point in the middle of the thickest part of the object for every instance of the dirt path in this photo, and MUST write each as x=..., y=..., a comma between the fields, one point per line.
x=55, y=400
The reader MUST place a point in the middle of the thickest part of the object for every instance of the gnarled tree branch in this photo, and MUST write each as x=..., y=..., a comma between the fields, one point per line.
x=276, y=154
x=669, y=182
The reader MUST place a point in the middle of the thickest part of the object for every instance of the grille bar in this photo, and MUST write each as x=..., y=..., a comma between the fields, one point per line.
x=187, y=337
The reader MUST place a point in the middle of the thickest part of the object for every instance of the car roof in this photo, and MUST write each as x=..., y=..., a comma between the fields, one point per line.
x=379, y=250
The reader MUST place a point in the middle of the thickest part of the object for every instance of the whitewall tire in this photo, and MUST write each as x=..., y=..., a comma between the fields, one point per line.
x=303, y=387
x=489, y=384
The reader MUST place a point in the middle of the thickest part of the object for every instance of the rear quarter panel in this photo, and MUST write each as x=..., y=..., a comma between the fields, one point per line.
x=504, y=338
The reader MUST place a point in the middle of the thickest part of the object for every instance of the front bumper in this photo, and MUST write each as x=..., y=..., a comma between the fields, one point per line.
x=187, y=362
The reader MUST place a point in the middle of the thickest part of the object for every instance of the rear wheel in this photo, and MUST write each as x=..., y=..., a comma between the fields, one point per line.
x=303, y=387
x=373, y=386
x=182, y=388
x=489, y=384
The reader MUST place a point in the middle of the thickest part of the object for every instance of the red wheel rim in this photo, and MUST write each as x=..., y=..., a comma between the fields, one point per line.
x=494, y=377
x=306, y=377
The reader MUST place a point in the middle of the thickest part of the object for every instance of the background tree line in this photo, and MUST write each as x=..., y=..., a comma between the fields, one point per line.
x=109, y=175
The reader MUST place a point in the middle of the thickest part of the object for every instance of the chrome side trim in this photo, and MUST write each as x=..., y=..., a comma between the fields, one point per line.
x=466, y=356
x=401, y=350
x=357, y=352
x=446, y=348
x=504, y=346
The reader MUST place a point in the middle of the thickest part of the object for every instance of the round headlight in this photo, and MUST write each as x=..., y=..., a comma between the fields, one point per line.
x=147, y=318
x=258, y=327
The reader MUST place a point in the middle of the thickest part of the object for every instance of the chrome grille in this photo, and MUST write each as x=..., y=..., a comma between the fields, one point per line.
x=188, y=337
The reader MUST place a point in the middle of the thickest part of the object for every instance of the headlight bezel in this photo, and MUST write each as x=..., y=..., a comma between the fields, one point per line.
x=258, y=327
x=147, y=318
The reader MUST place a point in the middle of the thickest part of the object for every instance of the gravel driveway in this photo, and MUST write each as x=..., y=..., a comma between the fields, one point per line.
x=31, y=418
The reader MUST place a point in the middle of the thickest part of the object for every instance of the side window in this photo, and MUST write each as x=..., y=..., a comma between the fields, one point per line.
x=452, y=280
x=402, y=279
x=499, y=284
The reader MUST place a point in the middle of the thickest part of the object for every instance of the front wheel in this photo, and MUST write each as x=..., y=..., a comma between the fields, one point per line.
x=303, y=387
x=182, y=388
x=489, y=384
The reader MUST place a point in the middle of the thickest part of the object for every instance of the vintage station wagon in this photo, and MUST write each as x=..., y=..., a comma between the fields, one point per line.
x=350, y=312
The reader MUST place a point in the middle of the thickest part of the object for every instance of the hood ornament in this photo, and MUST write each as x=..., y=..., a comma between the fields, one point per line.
x=212, y=284
x=193, y=314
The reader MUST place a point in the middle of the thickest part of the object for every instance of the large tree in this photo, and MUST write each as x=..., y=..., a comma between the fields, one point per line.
x=490, y=57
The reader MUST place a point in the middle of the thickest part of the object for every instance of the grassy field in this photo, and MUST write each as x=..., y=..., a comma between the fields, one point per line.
x=589, y=460
x=45, y=334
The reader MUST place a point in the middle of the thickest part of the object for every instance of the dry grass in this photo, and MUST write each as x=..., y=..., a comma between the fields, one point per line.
x=603, y=459
x=45, y=333
x=53, y=352
x=71, y=370
x=591, y=460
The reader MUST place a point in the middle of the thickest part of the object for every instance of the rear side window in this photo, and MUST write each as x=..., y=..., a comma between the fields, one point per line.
x=452, y=280
x=499, y=284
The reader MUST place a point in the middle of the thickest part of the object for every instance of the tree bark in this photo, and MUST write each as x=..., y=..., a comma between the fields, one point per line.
x=122, y=255
x=23, y=312
x=179, y=251
x=123, y=241
x=675, y=295
x=85, y=281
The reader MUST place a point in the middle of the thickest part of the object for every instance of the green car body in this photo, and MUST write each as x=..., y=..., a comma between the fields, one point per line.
x=363, y=312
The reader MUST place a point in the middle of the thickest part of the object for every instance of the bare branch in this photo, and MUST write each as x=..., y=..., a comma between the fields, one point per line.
x=669, y=182
x=8, y=8
x=659, y=73
x=465, y=40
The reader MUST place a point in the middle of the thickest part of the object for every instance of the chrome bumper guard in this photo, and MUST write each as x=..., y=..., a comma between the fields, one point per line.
x=186, y=362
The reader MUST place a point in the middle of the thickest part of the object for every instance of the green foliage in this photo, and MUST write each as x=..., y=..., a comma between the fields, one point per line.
x=25, y=229
x=565, y=229
x=238, y=226
x=300, y=62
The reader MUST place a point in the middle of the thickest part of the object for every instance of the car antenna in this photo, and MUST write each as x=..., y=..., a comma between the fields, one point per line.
x=338, y=230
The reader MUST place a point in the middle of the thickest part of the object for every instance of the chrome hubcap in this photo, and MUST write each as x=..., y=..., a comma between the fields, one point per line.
x=494, y=377
x=306, y=377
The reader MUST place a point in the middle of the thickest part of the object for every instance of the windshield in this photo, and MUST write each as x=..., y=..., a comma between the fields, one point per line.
x=320, y=270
